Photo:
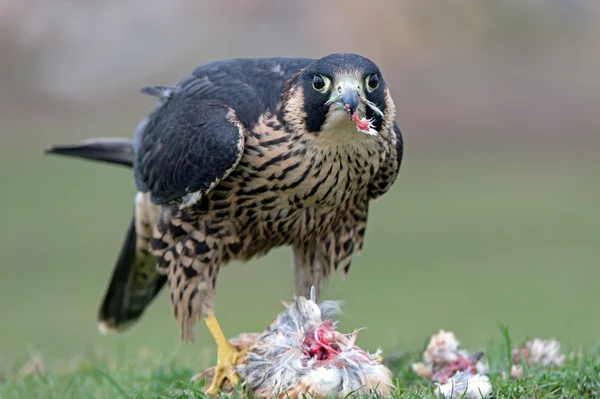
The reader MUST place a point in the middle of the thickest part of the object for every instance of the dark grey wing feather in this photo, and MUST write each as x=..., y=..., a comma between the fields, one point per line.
x=162, y=92
x=386, y=176
x=399, y=146
x=187, y=148
x=190, y=142
x=251, y=86
x=127, y=297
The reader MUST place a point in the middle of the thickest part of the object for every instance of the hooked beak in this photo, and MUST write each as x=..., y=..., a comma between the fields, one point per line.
x=349, y=96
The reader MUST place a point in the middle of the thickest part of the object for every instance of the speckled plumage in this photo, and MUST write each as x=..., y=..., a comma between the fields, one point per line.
x=302, y=353
x=243, y=156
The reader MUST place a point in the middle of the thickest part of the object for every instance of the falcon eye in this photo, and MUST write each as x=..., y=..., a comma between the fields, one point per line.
x=320, y=83
x=372, y=82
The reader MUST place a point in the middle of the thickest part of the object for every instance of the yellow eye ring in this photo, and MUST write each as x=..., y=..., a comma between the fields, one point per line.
x=321, y=83
x=372, y=82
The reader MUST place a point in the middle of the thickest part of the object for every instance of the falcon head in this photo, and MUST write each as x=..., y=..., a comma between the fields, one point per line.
x=339, y=92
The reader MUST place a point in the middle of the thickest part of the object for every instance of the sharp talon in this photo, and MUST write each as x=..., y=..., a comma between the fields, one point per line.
x=225, y=370
x=227, y=358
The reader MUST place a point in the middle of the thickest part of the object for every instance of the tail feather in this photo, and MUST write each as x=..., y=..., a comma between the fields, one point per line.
x=133, y=286
x=110, y=149
x=135, y=281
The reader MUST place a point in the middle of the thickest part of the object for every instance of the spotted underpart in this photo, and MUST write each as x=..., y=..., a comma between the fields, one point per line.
x=288, y=189
x=232, y=183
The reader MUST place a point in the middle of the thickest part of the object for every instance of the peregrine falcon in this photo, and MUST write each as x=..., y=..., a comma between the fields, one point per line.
x=240, y=157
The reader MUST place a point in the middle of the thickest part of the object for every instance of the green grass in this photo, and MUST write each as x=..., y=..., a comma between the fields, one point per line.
x=151, y=376
x=464, y=243
x=458, y=244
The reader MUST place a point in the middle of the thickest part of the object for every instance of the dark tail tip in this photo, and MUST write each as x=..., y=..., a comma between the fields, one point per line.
x=110, y=150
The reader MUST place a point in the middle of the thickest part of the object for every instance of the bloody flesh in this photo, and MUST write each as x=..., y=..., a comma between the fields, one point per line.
x=361, y=124
x=460, y=364
x=318, y=343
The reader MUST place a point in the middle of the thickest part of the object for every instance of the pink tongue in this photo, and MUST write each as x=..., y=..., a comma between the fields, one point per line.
x=360, y=124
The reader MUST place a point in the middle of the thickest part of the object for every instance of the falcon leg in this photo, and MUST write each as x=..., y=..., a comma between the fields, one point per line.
x=307, y=272
x=227, y=357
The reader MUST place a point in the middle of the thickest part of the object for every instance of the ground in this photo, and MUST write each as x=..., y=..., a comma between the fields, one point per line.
x=153, y=376
x=464, y=241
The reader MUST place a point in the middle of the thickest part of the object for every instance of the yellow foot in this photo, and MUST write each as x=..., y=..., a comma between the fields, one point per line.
x=227, y=357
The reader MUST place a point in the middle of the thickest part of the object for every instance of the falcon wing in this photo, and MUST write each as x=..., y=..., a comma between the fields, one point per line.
x=195, y=136
x=133, y=285
x=388, y=172
x=187, y=149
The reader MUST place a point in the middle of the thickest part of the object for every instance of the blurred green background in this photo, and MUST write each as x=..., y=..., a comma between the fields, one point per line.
x=493, y=220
